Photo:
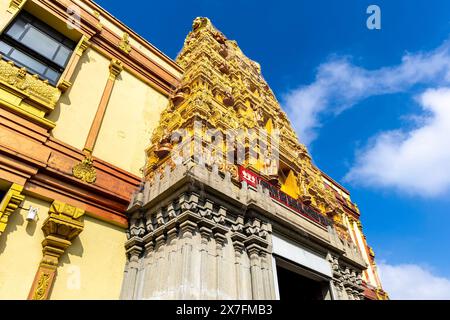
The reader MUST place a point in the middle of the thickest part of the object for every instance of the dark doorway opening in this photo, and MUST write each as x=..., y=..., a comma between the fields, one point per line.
x=296, y=283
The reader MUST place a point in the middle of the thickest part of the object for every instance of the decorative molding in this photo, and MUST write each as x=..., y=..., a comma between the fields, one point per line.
x=9, y=204
x=82, y=46
x=15, y=6
x=64, y=223
x=85, y=170
x=31, y=157
x=65, y=83
x=115, y=68
x=124, y=43
x=27, y=85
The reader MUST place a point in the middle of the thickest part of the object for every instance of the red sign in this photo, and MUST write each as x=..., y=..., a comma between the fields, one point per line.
x=254, y=180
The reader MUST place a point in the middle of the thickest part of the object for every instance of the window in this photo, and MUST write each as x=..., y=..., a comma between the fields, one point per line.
x=32, y=44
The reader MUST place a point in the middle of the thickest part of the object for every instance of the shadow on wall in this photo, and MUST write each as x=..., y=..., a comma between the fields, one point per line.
x=15, y=220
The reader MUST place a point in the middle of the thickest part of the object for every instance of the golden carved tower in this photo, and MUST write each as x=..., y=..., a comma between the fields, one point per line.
x=229, y=189
x=225, y=91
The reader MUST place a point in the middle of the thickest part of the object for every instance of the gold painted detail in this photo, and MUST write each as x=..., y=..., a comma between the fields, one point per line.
x=124, y=43
x=28, y=85
x=83, y=44
x=15, y=5
x=42, y=286
x=115, y=68
x=85, y=170
x=9, y=204
x=64, y=223
x=226, y=91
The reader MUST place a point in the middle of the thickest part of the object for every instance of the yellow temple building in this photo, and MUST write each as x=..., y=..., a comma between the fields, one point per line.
x=125, y=174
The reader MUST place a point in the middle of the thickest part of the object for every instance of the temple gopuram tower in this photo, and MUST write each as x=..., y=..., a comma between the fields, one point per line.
x=231, y=205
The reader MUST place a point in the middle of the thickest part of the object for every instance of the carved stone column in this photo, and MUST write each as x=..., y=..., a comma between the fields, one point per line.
x=239, y=247
x=238, y=238
x=219, y=231
x=173, y=260
x=206, y=235
x=149, y=265
x=160, y=265
x=63, y=224
x=186, y=233
x=219, y=237
x=133, y=249
x=255, y=270
x=256, y=246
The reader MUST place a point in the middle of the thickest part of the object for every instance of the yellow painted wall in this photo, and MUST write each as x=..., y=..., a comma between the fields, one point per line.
x=5, y=16
x=77, y=107
x=92, y=267
x=21, y=251
x=132, y=114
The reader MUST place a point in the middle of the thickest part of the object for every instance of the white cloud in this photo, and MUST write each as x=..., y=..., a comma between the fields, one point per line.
x=416, y=162
x=412, y=282
x=340, y=85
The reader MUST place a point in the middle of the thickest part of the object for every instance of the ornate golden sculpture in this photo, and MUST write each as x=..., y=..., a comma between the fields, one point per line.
x=124, y=43
x=225, y=90
x=29, y=85
x=42, y=286
x=85, y=170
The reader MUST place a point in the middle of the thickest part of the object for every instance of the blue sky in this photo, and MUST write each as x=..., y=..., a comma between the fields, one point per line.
x=372, y=105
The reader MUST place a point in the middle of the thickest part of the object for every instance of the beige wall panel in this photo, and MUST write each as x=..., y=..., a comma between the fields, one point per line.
x=77, y=107
x=132, y=114
x=92, y=267
x=21, y=250
x=5, y=16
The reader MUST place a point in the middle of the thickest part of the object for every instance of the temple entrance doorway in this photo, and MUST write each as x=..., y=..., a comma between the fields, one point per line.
x=300, y=284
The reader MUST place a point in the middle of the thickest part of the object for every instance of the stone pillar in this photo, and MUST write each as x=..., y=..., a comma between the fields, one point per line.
x=205, y=272
x=239, y=247
x=255, y=270
x=219, y=237
x=266, y=274
x=63, y=224
x=160, y=265
x=149, y=265
x=186, y=233
x=133, y=249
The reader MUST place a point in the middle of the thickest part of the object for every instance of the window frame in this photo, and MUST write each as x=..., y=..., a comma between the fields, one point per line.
x=16, y=44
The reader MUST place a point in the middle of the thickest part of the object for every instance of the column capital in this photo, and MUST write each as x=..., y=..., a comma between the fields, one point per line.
x=115, y=68
x=64, y=221
x=83, y=44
